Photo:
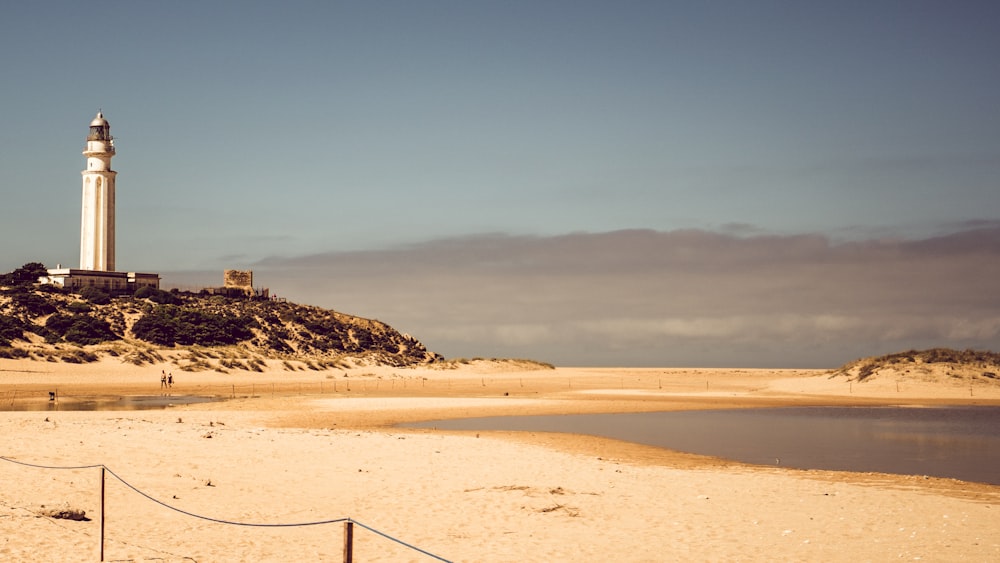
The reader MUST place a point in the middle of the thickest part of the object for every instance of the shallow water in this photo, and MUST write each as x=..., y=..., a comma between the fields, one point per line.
x=957, y=442
x=105, y=403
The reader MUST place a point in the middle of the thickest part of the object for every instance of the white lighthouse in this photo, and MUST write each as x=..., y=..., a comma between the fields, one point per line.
x=97, y=225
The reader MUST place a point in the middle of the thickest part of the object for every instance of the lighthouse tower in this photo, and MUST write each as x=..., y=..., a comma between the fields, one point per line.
x=97, y=226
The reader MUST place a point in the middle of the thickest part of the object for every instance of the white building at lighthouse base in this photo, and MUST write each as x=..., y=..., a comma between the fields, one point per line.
x=114, y=283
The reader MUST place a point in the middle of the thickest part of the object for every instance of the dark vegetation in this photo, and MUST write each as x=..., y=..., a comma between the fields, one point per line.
x=32, y=314
x=79, y=328
x=25, y=276
x=168, y=325
x=11, y=328
x=95, y=295
x=157, y=296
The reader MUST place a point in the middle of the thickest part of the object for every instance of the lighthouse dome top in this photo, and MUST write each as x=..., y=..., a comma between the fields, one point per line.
x=100, y=131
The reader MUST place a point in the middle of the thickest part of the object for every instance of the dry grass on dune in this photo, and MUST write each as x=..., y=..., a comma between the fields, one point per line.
x=936, y=364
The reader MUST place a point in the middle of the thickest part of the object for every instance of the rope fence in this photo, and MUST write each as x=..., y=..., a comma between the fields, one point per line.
x=348, y=522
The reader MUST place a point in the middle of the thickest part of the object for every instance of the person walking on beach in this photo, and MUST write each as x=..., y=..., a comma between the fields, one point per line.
x=163, y=380
x=170, y=380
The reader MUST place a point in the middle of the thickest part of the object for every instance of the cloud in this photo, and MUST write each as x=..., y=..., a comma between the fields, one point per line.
x=687, y=297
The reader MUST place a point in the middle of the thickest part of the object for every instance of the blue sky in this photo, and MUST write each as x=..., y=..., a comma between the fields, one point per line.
x=418, y=162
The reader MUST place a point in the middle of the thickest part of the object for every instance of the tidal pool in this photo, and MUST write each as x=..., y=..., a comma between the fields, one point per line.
x=107, y=403
x=958, y=442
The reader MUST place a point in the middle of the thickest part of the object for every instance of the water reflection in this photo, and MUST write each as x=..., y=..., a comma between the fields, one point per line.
x=104, y=403
x=958, y=442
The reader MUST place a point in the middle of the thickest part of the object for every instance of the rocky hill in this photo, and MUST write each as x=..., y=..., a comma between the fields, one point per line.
x=193, y=330
x=927, y=365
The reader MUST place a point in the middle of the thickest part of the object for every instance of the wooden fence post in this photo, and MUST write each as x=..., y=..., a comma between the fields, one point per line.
x=348, y=542
x=102, y=512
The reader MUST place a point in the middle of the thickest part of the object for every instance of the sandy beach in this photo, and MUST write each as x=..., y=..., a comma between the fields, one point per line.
x=295, y=447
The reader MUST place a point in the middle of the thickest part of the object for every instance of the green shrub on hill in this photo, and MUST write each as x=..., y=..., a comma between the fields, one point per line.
x=95, y=295
x=157, y=296
x=144, y=292
x=79, y=357
x=10, y=329
x=168, y=325
x=79, y=329
x=13, y=353
x=79, y=307
x=26, y=275
x=33, y=304
x=278, y=344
